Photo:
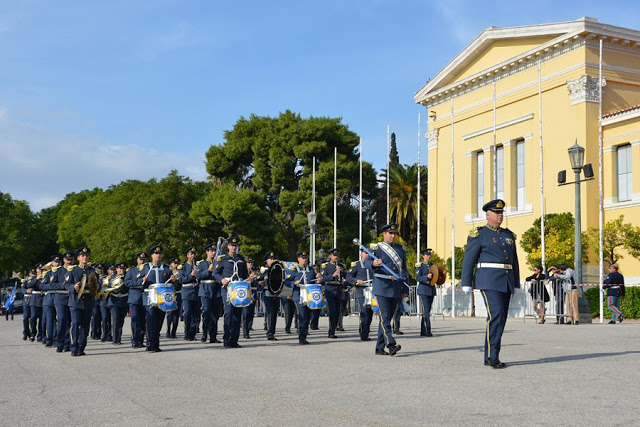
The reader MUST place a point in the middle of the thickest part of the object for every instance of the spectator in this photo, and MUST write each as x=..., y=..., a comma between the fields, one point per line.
x=538, y=291
x=565, y=274
x=614, y=283
x=558, y=294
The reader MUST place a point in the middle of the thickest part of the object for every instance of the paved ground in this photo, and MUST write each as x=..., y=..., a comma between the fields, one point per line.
x=560, y=375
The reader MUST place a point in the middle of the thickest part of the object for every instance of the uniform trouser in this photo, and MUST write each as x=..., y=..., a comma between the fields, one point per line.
x=272, y=307
x=50, y=325
x=80, y=323
x=247, y=318
x=35, y=321
x=571, y=303
x=64, y=325
x=197, y=314
x=343, y=309
x=117, y=315
x=333, y=306
x=190, y=318
x=210, y=315
x=387, y=307
x=497, y=304
x=155, y=319
x=172, y=321
x=107, y=323
x=366, y=315
x=138, y=324
x=289, y=312
x=232, y=320
x=397, y=314
x=614, y=306
x=96, y=321
x=304, y=316
x=425, y=325
x=315, y=318
x=26, y=316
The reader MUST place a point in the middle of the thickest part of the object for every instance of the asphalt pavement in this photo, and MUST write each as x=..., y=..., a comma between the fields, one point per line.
x=557, y=375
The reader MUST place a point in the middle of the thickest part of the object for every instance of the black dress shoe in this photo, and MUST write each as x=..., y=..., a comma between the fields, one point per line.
x=365, y=339
x=381, y=353
x=215, y=341
x=612, y=322
x=82, y=353
x=429, y=334
x=186, y=338
x=74, y=354
x=59, y=350
x=393, y=349
x=236, y=345
x=155, y=350
x=247, y=337
x=168, y=335
x=173, y=336
x=498, y=365
x=341, y=329
x=48, y=345
x=24, y=337
x=66, y=350
x=577, y=323
x=399, y=333
x=303, y=342
x=287, y=331
x=272, y=338
x=621, y=318
x=203, y=339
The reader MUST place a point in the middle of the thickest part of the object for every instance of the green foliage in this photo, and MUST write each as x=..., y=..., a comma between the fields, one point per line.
x=268, y=162
x=394, y=157
x=615, y=235
x=403, y=196
x=559, y=241
x=629, y=305
x=459, y=253
x=17, y=235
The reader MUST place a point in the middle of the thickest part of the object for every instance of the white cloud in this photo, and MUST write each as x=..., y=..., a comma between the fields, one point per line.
x=41, y=165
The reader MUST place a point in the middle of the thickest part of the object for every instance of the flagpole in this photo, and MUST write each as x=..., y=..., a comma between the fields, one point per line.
x=542, y=225
x=335, y=197
x=388, y=163
x=453, y=225
x=600, y=205
x=360, y=199
x=418, y=195
x=313, y=209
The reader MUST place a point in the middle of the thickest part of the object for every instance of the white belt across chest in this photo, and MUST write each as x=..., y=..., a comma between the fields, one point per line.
x=494, y=265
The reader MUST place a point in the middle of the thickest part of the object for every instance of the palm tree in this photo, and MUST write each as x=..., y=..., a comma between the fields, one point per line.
x=403, y=198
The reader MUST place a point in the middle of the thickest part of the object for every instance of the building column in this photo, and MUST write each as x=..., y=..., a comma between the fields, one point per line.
x=510, y=186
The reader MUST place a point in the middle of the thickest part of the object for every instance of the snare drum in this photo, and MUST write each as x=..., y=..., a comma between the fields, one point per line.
x=303, y=295
x=239, y=294
x=163, y=296
x=368, y=296
x=314, y=297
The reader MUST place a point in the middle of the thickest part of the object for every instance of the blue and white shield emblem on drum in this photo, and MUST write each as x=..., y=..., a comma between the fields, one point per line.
x=166, y=298
x=314, y=297
x=239, y=294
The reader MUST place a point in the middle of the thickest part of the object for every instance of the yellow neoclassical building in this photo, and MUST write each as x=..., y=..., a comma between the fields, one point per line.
x=503, y=113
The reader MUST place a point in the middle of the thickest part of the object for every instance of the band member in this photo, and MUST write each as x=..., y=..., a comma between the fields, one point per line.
x=117, y=302
x=315, y=314
x=361, y=277
x=156, y=272
x=302, y=275
x=426, y=290
x=174, y=316
x=96, y=316
x=133, y=281
x=333, y=277
x=386, y=287
x=49, y=324
x=80, y=299
x=345, y=301
x=210, y=295
x=61, y=300
x=491, y=252
x=227, y=268
x=105, y=310
x=189, y=292
x=289, y=309
x=271, y=301
x=27, y=290
x=248, y=312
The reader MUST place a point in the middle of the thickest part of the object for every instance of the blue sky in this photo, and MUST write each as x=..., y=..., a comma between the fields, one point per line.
x=95, y=92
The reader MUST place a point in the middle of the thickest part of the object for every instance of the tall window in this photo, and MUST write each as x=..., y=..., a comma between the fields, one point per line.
x=520, y=173
x=480, y=182
x=500, y=172
x=625, y=186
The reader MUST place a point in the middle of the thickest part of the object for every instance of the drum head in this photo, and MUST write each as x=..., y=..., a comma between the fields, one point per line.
x=276, y=278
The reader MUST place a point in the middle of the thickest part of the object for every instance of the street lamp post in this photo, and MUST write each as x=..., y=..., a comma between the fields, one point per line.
x=311, y=218
x=576, y=155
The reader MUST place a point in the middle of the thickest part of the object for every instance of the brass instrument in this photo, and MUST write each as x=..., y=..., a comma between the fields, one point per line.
x=48, y=266
x=105, y=285
x=435, y=273
x=114, y=285
x=92, y=281
x=442, y=275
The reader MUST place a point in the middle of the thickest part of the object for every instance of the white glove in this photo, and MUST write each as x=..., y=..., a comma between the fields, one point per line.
x=466, y=289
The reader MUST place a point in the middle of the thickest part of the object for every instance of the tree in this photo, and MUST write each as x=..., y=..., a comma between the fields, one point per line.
x=559, y=241
x=403, y=197
x=394, y=157
x=615, y=235
x=267, y=162
x=17, y=230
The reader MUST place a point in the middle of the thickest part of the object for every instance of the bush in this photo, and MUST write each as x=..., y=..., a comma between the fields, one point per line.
x=630, y=305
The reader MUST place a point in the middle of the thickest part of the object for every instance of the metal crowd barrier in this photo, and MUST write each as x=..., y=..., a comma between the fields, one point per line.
x=559, y=305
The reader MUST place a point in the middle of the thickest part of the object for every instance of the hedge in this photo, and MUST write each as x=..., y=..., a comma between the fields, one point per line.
x=630, y=305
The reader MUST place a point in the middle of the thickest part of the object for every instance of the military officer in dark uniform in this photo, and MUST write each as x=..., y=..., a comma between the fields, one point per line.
x=227, y=268
x=174, y=316
x=333, y=278
x=103, y=302
x=315, y=314
x=289, y=308
x=361, y=277
x=49, y=325
x=491, y=251
x=133, y=282
x=117, y=302
x=189, y=292
x=303, y=274
x=426, y=290
x=26, y=287
x=80, y=300
x=271, y=301
x=155, y=272
x=96, y=315
x=61, y=299
x=248, y=312
x=386, y=287
x=210, y=295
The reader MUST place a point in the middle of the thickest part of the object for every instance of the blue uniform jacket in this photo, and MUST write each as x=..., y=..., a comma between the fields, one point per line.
x=298, y=274
x=208, y=290
x=119, y=297
x=189, y=283
x=614, y=279
x=224, y=268
x=86, y=300
x=160, y=274
x=54, y=280
x=49, y=295
x=35, y=299
x=133, y=281
x=333, y=285
x=360, y=272
x=488, y=245
x=424, y=283
x=383, y=286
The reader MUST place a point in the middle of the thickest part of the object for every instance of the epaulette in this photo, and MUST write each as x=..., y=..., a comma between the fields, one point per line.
x=197, y=262
x=288, y=276
x=54, y=269
x=139, y=274
x=512, y=233
x=179, y=266
x=128, y=268
x=354, y=263
x=418, y=264
x=474, y=233
x=324, y=264
x=373, y=246
x=70, y=268
x=219, y=257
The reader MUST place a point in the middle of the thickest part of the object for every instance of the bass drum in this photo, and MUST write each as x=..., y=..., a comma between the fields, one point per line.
x=275, y=278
